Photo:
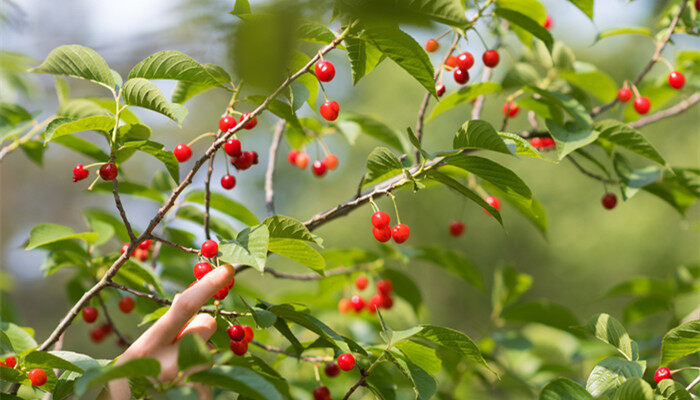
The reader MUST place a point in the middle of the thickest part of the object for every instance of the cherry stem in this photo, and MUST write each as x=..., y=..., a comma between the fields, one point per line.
x=203, y=135
x=317, y=374
x=668, y=64
x=93, y=183
x=373, y=204
x=396, y=208
x=443, y=35
x=92, y=165
x=323, y=145
x=226, y=161
x=486, y=46
x=325, y=96
x=635, y=90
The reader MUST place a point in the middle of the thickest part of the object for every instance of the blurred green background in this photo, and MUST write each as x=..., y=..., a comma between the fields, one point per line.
x=588, y=249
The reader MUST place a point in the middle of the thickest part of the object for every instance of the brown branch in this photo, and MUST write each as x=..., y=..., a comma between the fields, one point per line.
x=120, y=207
x=360, y=382
x=175, y=245
x=207, y=195
x=110, y=321
x=669, y=112
x=591, y=174
x=654, y=59
x=112, y=271
x=286, y=353
x=272, y=154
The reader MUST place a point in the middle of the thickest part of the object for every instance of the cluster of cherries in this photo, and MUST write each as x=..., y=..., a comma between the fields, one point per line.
x=325, y=72
x=642, y=104
x=319, y=167
x=36, y=376
x=460, y=64
x=345, y=362
x=210, y=249
x=108, y=172
x=240, y=336
x=90, y=314
x=381, y=299
x=382, y=230
x=142, y=252
x=542, y=143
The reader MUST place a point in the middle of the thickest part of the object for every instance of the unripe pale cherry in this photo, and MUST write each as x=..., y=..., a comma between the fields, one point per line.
x=232, y=147
x=400, y=233
x=346, y=361
x=432, y=45
x=80, y=173
x=325, y=71
x=624, y=95
x=676, y=80
x=331, y=161
x=344, y=305
x=318, y=168
x=228, y=182
x=451, y=61
x=329, y=110
x=302, y=160
x=182, y=152
x=108, y=171
x=609, y=201
x=210, y=249
x=642, y=105
x=491, y=58
x=460, y=75
x=465, y=60
x=226, y=123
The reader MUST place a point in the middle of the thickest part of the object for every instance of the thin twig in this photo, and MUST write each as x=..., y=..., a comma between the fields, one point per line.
x=654, y=59
x=591, y=174
x=360, y=382
x=110, y=321
x=669, y=112
x=280, y=351
x=175, y=245
x=314, y=276
x=120, y=207
x=269, y=190
x=693, y=383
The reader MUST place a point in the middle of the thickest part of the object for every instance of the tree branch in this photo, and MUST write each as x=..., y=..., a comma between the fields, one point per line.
x=110, y=321
x=120, y=207
x=175, y=245
x=272, y=154
x=669, y=112
x=591, y=174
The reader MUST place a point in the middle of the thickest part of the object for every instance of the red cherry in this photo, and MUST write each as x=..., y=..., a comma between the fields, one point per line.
x=380, y=219
x=325, y=71
x=344, y=305
x=361, y=282
x=385, y=287
x=322, y=393
x=246, y=159
x=661, y=374
x=108, y=171
x=222, y=293
x=536, y=142
x=329, y=110
x=80, y=173
x=609, y=201
x=251, y=123
x=90, y=314
x=210, y=249
x=106, y=328
x=624, y=95
x=490, y=58
x=332, y=369
x=182, y=152
x=494, y=202
x=238, y=348
x=318, y=168
x=302, y=160
x=465, y=60
x=331, y=161
x=201, y=269
x=11, y=361
x=375, y=302
x=236, y=333
x=346, y=361
x=126, y=304
x=249, y=334
x=400, y=233
x=697, y=5
x=357, y=302
x=460, y=75
x=232, y=147
x=451, y=61
x=456, y=228
x=141, y=254
x=255, y=157
x=228, y=182
x=37, y=376
x=642, y=105
x=510, y=109
x=292, y=156
x=387, y=302
x=382, y=234
x=146, y=244
x=547, y=22
x=226, y=123
x=124, y=247
x=440, y=89
x=432, y=45
x=97, y=335
x=548, y=143
x=676, y=80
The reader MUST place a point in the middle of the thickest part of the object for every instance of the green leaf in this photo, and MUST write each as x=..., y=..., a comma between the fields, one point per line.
x=226, y=205
x=570, y=137
x=680, y=341
x=508, y=286
x=528, y=24
x=634, y=389
x=170, y=64
x=672, y=390
x=78, y=62
x=564, y=389
x=283, y=227
x=404, y=51
x=249, y=248
x=142, y=367
x=364, y=57
x=463, y=190
x=596, y=82
x=185, y=90
x=50, y=360
x=492, y=172
x=34, y=149
x=381, y=164
x=542, y=312
x=423, y=384
x=464, y=95
x=612, y=372
x=404, y=287
x=372, y=127
x=141, y=92
x=288, y=313
x=241, y=7
x=22, y=339
x=192, y=351
x=243, y=381
x=533, y=9
x=623, y=135
x=478, y=134
x=314, y=32
x=519, y=145
x=420, y=354
x=217, y=225
x=156, y=150
x=61, y=127
x=453, y=341
x=298, y=251
x=453, y=261
x=137, y=272
x=83, y=147
x=44, y=234
x=638, y=30
x=584, y=5
x=568, y=104
x=130, y=188
x=611, y=331
x=532, y=208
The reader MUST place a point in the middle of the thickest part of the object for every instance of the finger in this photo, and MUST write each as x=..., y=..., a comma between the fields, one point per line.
x=188, y=303
x=203, y=325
